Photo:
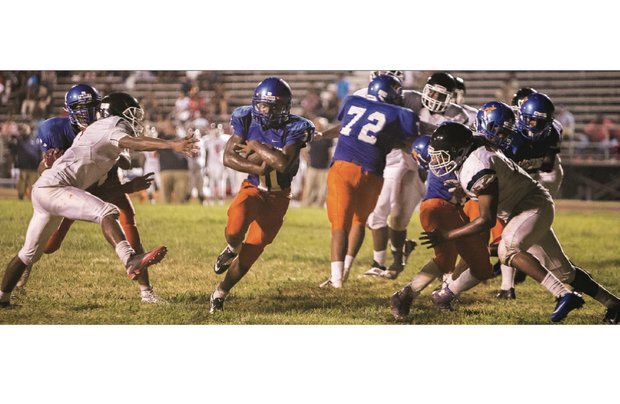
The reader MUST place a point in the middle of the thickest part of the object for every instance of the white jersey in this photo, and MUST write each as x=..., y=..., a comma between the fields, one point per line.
x=93, y=153
x=430, y=121
x=397, y=160
x=484, y=165
x=214, y=146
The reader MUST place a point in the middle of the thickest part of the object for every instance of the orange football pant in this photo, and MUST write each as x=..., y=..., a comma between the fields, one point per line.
x=351, y=195
x=438, y=213
x=259, y=216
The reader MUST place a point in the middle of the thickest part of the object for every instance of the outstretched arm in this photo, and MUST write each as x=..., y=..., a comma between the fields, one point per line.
x=188, y=145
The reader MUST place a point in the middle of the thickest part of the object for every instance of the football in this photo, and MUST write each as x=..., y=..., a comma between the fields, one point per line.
x=254, y=158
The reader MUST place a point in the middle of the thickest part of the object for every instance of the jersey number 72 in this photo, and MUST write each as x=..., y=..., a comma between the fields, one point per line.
x=376, y=122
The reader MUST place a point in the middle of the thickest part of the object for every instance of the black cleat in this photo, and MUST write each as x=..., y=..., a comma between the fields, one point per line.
x=613, y=315
x=506, y=294
x=5, y=305
x=224, y=260
x=400, y=303
x=217, y=304
x=565, y=305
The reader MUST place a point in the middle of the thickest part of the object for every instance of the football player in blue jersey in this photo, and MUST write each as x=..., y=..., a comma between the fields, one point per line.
x=82, y=103
x=371, y=127
x=265, y=143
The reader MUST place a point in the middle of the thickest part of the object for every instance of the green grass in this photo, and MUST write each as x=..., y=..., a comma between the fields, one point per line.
x=84, y=282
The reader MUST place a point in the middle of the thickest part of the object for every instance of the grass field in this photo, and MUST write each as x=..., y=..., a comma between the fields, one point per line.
x=84, y=282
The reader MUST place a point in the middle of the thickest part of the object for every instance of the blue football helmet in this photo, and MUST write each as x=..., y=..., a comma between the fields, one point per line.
x=420, y=150
x=497, y=122
x=450, y=145
x=535, y=115
x=82, y=102
x=399, y=74
x=386, y=88
x=271, y=103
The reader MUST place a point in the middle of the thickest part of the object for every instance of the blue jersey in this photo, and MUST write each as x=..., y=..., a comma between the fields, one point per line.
x=436, y=187
x=370, y=130
x=529, y=154
x=297, y=129
x=56, y=133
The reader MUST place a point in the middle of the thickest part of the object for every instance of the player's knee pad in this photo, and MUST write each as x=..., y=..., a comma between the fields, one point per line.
x=398, y=222
x=506, y=253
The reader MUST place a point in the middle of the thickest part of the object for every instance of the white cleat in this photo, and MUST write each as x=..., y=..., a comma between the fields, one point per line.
x=150, y=297
x=329, y=284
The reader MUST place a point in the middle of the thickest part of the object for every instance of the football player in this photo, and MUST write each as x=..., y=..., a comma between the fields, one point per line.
x=528, y=242
x=82, y=103
x=401, y=192
x=214, y=144
x=265, y=143
x=442, y=209
x=371, y=126
x=60, y=191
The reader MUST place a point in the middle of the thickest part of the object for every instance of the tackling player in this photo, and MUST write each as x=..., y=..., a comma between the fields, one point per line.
x=60, y=191
x=82, y=103
x=266, y=143
x=505, y=190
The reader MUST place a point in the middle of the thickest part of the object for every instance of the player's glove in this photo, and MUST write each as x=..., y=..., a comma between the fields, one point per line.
x=50, y=156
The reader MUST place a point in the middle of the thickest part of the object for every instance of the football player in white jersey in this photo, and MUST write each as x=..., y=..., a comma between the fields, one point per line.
x=401, y=192
x=214, y=144
x=505, y=190
x=60, y=191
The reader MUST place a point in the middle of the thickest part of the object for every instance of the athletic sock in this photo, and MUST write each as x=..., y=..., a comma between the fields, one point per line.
x=235, y=249
x=379, y=257
x=464, y=282
x=348, y=262
x=553, y=285
x=508, y=277
x=124, y=251
x=337, y=270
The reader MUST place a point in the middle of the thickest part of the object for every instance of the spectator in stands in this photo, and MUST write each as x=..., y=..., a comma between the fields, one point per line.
x=342, y=87
x=150, y=105
x=31, y=92
x=4, y=89
x=174, y=174
x=330, y=102
x=508, y=89
x=219, y=103
x=311, y=104
x=181, y=107
x=44, y=104
x=196, y=101
x=603, y=132
x=9, y=128
x=26, y=153
x=319, y=157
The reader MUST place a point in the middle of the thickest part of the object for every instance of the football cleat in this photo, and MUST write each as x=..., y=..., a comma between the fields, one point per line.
x=443, y=298
x=140, y=262
x=5, y=304
x=329, y=284
x=224, y=260
x=393, y=272
x=565, y=305
x=613, y=315
x=506, y=294
x=400, y=303
x=217, y=304
x=150, y=297
x=408, y=248
x=376, y=269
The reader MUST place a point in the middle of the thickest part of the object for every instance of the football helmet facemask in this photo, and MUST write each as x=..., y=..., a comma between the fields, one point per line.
x=386, y=88
x=127, y=108
x=82, y=103
x=497, y=122
x=535, y=115
x=438, y=92
x=449, y=147
x=271, y=103
x=399, y=74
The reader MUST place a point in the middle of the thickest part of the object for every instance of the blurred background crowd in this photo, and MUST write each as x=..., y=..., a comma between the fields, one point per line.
x=587, y=105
